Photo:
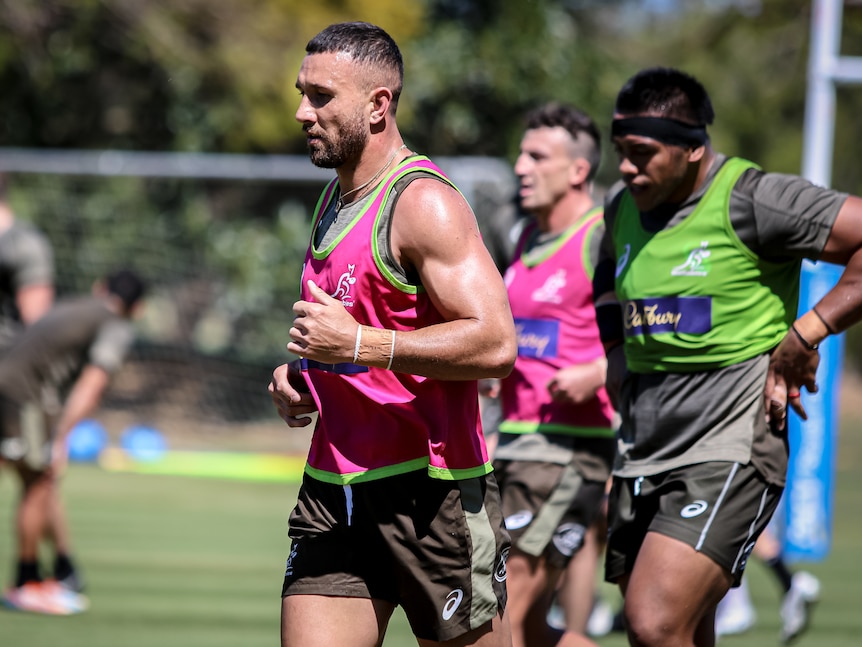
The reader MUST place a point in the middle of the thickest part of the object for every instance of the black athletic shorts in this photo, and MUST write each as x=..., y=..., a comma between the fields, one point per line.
x=437, y=548
x=718, y=508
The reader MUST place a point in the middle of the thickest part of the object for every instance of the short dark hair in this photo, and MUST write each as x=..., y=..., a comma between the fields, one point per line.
x=126, y=285
x=367, y=44
x=667, y=92
x=577, y=123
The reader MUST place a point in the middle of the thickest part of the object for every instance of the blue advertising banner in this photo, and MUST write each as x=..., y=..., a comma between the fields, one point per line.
x=808, y=500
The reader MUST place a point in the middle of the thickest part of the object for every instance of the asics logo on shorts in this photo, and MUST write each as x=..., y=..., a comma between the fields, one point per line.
x=13, y=449
x=568, y=538
x=746, y=553
x=518, y=520
x=288, y=566
x=694, y=509
x=453, y=601
x=500, y=571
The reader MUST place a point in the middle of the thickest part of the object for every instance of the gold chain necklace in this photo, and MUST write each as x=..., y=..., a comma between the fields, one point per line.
x=340, y=202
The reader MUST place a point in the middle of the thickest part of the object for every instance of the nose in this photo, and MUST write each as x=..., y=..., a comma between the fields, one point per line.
x=626, y=166
x=521, y=165
x=304, y=113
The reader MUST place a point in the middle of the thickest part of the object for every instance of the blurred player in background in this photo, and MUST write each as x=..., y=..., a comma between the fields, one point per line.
x=72, y=350
x=26, y=293
x=402, y=310
x=26, y=273
x=503, y=229
x=800, y=591
x=556, y=438
x=702, y=264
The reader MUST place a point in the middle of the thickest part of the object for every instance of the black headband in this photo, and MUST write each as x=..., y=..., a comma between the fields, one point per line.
x=663, y=129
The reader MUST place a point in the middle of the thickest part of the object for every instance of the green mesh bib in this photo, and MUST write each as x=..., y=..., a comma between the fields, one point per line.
x=694, y=297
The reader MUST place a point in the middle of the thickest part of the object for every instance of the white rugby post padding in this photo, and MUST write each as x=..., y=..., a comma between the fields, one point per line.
x=808, y=499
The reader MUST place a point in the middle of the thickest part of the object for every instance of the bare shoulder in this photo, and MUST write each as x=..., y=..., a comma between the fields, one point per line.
x=845, y=236
x=431, y=193
x=432, y=214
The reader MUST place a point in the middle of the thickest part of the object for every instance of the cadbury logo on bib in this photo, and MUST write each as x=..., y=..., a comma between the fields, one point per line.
x=691, y=315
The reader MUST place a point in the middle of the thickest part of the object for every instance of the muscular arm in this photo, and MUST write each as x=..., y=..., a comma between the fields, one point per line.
x=841, y=307
x=83, y=399
x=605, y=256
x=608, y=311
x=435, y=234
x=793, y=365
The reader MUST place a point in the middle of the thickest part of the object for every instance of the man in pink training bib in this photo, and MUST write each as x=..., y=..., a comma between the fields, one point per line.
x=402, y=310
x=556, y=439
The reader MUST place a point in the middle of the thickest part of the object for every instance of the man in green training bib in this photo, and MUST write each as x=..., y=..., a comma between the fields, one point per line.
x=697, y=288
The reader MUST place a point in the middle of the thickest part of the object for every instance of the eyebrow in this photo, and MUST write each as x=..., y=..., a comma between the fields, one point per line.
x=314, y=86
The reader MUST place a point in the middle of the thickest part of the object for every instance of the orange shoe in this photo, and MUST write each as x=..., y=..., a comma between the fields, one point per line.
x=47, y=598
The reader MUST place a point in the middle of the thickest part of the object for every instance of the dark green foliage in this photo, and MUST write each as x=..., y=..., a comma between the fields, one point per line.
x=218, y=77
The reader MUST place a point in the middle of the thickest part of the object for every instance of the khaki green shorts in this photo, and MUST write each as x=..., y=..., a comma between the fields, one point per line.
x=548, y=507
x=718, y=508
x=26, y=432
x=437, y=548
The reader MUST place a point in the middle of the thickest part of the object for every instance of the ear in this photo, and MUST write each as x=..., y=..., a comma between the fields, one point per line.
x=697, y=154
x=381, y=99
x=579, y=171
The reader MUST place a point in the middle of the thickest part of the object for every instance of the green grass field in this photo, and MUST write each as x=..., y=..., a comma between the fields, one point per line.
x=184, y=562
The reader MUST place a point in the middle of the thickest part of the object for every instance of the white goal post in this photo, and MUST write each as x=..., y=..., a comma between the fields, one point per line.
x=806, y=514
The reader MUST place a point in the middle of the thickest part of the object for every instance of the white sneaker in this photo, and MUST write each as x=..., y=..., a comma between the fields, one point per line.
x=601, y=620
x=46, y=597
x=735, y=614
x=556, y=617
x=796, y=606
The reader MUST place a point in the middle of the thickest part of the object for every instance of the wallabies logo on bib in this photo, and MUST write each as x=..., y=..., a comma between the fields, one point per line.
x=345, y=282
x=696, y=264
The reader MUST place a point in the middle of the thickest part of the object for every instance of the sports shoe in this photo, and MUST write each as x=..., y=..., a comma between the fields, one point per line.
x=601, y=620
x=797, y=604
x=77, y=602
x=556, y=616
x=72, y=582
x=47, y=597
x=735, y=614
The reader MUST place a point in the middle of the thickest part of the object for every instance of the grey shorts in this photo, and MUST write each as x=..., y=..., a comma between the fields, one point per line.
x=437, y=548
x=718, y=508
x=548, y=507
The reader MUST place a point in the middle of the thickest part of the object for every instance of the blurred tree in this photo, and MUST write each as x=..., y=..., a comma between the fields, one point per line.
x=480, y=65
x=194, y=75
x=197, y=75
x=189, y=75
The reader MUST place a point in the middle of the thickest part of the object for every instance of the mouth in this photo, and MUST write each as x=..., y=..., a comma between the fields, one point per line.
x=312, y=138
x=635, y=188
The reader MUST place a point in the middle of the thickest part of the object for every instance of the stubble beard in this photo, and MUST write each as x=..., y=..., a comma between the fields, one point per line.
x=348, y=146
